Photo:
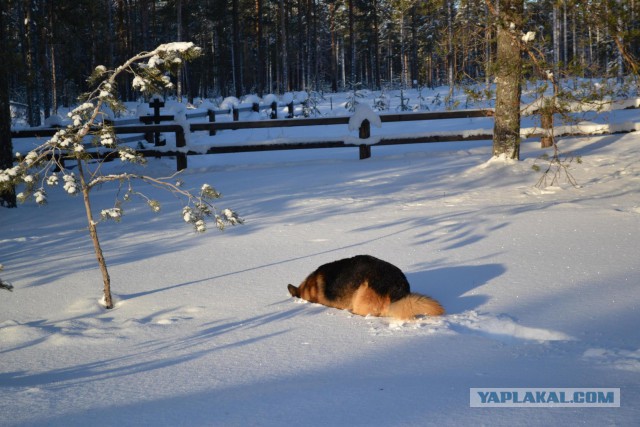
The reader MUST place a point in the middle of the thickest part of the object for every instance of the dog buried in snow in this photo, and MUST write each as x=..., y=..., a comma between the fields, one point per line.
x=365, y=285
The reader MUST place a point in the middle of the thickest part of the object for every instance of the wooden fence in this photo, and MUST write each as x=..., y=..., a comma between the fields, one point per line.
x=153, y=127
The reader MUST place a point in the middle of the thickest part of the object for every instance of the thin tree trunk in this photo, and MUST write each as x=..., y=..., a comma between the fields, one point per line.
x=376, y=46
x=565, y=39
x=44, y=32
x=619, y=53
x=352, y=44
x=556, y=40
x=283, y=53
x=237, y=52
x=316, y=53
x=54, y=76
x=403, y=58
x=488, y=59
x=334, y=49
x=450, y=56
x=260, y=80
x=93, y=233
x=179, y=36
x=546, y=123
x=343, y=63
x=30, y=55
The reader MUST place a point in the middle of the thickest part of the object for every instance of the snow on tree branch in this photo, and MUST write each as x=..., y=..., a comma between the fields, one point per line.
x=45, y=164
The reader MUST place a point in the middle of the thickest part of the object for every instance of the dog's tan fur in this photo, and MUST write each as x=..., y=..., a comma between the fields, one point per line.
x=347, y=285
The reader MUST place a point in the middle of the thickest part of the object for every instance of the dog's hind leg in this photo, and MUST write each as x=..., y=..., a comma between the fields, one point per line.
x=368, y=302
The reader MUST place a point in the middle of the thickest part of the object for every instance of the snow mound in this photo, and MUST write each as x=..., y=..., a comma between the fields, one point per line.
x=503, y=328
x=363, y=112
x=269, y=99
x=229, y=103
x=626, y=360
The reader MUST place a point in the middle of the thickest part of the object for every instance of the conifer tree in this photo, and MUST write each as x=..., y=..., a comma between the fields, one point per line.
x=508, y=76
x=37, y=170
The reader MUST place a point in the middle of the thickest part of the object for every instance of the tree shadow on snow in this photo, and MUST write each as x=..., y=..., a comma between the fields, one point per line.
x=455, y=287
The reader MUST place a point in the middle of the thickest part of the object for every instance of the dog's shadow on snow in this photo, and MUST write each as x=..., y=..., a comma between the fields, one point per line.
x=455, y=287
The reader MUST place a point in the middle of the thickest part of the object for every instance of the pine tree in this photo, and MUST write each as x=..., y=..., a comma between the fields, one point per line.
x=508, y=76
x=36, y=170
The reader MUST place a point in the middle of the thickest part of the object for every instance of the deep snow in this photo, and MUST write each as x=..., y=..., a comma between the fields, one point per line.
x=541, y=287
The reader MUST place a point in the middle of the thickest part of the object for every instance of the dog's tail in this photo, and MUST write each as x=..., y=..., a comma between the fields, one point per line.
x=414, y=305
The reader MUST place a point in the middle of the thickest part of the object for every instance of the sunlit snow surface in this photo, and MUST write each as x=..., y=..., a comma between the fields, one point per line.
x=541, y=286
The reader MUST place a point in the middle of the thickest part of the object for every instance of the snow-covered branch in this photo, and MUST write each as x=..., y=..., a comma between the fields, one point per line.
x=43, y=165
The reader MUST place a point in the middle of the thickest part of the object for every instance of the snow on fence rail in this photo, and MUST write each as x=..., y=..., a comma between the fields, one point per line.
x=153, y=127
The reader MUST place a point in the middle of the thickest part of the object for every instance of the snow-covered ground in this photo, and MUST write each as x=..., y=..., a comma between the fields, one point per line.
x=541, y=288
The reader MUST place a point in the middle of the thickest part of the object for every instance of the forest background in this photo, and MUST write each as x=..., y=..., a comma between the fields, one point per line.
x=50, y=47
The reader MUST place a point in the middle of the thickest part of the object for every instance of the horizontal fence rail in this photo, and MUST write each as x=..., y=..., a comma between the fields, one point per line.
x=153, y=128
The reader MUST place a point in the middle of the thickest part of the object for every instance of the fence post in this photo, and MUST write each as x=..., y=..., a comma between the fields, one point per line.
x=212, y=118
x=274, y=110
x=255, y=107
x=290, y=109
x=546, y=122
x=156, y=104
x=364, y=132
x=181, y=158
x=236, y=114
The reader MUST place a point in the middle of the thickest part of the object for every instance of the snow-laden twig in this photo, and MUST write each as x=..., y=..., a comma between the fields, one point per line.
x=38, y=168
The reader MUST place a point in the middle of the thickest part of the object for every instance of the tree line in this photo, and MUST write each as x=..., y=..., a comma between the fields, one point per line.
x=274, y=46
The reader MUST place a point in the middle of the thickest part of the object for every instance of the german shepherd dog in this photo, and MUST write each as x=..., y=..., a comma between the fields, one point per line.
x=366, y=286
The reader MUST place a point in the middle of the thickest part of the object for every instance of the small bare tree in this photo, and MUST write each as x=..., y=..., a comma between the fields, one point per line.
x=38, y=168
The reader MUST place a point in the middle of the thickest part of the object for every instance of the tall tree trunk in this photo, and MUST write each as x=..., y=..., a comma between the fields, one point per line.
x=300, y=78
x=556, y=39
x=376, y=46
x=52, y=60
x=144, y=24
x=334, y=49
x=260, y=69
x=619, y=54
x=237, y=53
x=403, y=58
x=488, y=55
x=352, y=44
x=413, y=76
x=450, y=54
x=506, y=132
x=30, y=50
x=310, y=36
x=7, y=197
x=44, y=60
x=111, y=58
x=565, y=36
x=179, y=38
x=316, y=50
x=283, y=52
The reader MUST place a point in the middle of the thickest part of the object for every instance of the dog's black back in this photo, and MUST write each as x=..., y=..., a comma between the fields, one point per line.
x=345, y=276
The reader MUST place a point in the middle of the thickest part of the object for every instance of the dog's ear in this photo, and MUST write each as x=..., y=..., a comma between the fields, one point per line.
x=293, y=291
